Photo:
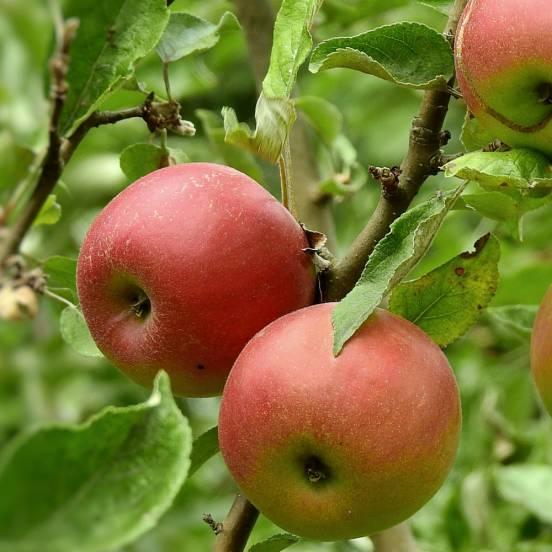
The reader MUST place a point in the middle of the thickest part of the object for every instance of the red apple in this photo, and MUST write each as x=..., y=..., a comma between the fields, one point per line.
x=183, y=267
x=503, y=52
x=541, y=351
x=336, y=448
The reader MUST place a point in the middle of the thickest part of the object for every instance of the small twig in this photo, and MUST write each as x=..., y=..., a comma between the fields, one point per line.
x=237, y=526
x=58, y=298
x=52, y=164
x=426, y=139
x=215, y=526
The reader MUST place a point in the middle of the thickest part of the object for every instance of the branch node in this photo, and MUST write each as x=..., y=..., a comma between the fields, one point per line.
x=389, y=180
x=215, y=526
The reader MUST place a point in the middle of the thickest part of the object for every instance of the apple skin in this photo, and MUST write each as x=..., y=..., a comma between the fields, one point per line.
x=541, y=351
x=503, y=53
x=378, y=426
x=217, y=256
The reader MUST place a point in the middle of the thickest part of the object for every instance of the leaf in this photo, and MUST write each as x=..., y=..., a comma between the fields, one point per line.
x=95, y=486
x=474, y=135
x=75, y=332
x=232, y=155
x=186, y=34
x=203, y=448
x=528, y=486
x=447, y=301
x=61, y=274
x=274, y=113
x=112, y=36
x=518, y=319
x=517, y=168
x=275, y=543
x=137, y=160
x=274, y=117
x=392, y=259
x=409, y=54
x=442, y=6
x=61, y=271
x=50, y=213
x=322, y=115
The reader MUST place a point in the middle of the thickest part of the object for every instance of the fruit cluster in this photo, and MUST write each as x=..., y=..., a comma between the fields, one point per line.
x=197, y=270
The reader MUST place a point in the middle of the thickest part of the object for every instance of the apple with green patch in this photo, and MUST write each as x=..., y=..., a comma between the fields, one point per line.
x=503, y=52
x=333, y=448
x=183, y=267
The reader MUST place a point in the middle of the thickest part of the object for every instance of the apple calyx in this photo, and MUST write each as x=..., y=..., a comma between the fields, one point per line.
x=545, y=93
x=141, y=306
x=315, y=470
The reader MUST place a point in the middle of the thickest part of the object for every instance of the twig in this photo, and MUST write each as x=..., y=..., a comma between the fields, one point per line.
x=237, y=526
x=52, y=164
x=425, y=142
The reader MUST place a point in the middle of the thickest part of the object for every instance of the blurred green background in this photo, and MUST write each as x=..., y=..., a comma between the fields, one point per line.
x=41, y=378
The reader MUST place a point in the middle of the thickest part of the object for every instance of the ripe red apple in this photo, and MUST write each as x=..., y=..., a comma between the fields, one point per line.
x=183, y=267
x=503, y=52
x=541, y=351
x=336, y=448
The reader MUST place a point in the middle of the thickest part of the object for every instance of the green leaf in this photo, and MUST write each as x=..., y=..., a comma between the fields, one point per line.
x=518, y=319
x=137, y=160
x=74, y=331
x=322, y=115
x=275, y=543
x=50, y=213
x=447, y=301
x=292, y=44
x=392, y=259
x=61, y=274
x=442, y=6
x=274, y=113
x=112, y=36
x=409, y=54
x=95, y=486
x=517, y=168
x=274, y=117
x=186, y=34
x=528, y=486
x=474, y=136
x=234, y=156
x=61, y=271
x=203, y=448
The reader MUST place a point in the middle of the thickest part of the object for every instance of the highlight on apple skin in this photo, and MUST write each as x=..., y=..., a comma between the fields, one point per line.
x=503, y=53
x=337, y=448
x=183, y=267
x=541, y=351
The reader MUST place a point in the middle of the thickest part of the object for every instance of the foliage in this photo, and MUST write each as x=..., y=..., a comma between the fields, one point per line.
x=495, y=498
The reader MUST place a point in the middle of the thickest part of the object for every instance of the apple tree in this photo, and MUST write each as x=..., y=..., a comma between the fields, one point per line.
x=314, y=239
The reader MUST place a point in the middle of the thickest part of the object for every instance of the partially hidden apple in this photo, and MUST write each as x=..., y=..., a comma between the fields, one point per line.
x=541, y=351
x=337, y=448
x=503, y=52
x=183, y=267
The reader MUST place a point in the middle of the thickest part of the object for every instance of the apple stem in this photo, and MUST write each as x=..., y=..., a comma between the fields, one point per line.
x=232, y=536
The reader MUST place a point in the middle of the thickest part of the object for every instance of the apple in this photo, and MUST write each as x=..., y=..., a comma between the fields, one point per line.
x=503, y=52
x=183, y=267
x=541, y=351
x=337, y=448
